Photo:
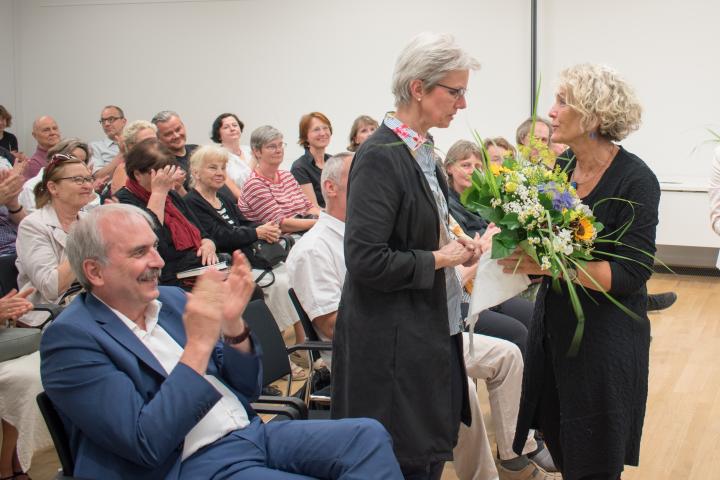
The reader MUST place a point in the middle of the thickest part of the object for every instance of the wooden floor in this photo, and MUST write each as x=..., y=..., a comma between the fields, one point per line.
x=681, y=437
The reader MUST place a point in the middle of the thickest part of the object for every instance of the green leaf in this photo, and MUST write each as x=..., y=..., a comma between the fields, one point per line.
x=501, y=248
x=510, y=221
x=530, y=250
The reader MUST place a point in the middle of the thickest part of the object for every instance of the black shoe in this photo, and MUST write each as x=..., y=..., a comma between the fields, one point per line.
x=660, y=301
x=271, y=390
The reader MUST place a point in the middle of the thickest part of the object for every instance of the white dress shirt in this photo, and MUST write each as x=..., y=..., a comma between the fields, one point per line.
x=316, y=265
x=227, y=415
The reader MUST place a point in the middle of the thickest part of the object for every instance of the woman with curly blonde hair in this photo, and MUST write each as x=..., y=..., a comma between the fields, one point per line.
x=590, y=407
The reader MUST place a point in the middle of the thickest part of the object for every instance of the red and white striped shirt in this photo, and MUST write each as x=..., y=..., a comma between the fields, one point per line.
x=265, y=200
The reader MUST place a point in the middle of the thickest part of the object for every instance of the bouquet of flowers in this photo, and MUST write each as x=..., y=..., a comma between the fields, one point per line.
x=532, y=201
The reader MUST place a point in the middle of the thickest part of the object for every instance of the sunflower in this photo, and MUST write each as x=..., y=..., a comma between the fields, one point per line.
x=584, y=230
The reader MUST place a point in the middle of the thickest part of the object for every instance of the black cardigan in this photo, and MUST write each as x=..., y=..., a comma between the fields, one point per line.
x=227, y=238
x=600, y=394
x=470, y=222
x=393, y=312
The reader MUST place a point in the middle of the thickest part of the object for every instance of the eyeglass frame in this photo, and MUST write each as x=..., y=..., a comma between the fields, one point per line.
x=455, y=92
x=79, y=179
x=103, y=121
x=275, y=148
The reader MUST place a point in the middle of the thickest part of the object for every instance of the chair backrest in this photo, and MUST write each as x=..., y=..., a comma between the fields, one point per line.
x=306, y=323
x=275, y=361
x=8, y=273
x=57, y=432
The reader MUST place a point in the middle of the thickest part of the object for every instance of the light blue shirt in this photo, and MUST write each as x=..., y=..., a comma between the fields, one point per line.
x=103, y=151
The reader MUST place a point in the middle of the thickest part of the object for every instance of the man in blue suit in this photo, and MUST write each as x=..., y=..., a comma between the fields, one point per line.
x=147, y=390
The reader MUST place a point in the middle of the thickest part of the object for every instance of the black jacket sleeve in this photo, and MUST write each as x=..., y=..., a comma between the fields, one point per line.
x=227, y=239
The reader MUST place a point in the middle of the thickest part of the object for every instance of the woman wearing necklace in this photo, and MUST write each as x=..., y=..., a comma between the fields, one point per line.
x=590, y=407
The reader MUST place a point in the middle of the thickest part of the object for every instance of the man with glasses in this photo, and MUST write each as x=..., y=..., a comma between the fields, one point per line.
x=106, y=153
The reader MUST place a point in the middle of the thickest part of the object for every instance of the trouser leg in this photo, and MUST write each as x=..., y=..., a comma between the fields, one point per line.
x=473, y=456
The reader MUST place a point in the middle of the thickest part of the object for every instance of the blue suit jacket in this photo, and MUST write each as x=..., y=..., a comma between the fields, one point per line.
x=125, y=416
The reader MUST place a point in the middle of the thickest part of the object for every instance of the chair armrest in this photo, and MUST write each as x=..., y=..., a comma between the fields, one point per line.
x=291, y=407
x=311, y=345
x=53, y=309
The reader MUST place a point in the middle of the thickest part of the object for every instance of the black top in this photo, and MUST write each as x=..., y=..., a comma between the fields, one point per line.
x=470, y=222
x=306, y=171
x=601, y=393
x=184, y=162
x=227, y=238
x=4, y=152
x=9, y=141
x=175, y=260
x=393, y=311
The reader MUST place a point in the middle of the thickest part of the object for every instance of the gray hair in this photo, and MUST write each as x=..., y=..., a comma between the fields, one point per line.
x=333, y=171
x=428, y=57
x=264, y=135
x=164, y=116
x=85, y=240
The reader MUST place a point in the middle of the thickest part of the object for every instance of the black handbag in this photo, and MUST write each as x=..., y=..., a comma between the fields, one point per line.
x=263, y=255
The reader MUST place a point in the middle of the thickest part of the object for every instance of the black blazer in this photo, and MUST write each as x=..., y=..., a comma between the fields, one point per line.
x=391, y=348
x=227, y=239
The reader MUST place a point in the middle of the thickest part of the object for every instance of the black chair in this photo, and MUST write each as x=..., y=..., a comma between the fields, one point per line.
x=290, y=407
x=323, y=395
x=58, y=434
x=275, y=360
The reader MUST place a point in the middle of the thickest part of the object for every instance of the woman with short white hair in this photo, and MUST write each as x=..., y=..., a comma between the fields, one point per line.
x=397, y=354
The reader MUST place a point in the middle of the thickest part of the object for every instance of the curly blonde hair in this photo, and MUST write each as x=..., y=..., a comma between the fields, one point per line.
x=602, y=98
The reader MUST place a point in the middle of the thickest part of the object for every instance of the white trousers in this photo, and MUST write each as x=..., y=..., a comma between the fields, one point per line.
x=499, y=364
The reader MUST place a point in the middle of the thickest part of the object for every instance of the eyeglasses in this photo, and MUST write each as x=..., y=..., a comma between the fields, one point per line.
x=320, y=128
x=455, y=92
x=108, y=120
x=79, y=179
x=276, y=146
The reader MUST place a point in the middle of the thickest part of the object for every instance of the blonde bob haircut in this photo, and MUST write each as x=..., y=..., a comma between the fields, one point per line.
x=602, y=98
x=204, y=154
x=428, y=57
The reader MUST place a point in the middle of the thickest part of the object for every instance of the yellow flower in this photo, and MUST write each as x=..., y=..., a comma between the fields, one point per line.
x=497, y=169
x=585, y=230
x=510, y=187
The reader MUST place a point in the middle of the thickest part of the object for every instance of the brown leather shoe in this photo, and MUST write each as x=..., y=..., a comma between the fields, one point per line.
x=530, y=472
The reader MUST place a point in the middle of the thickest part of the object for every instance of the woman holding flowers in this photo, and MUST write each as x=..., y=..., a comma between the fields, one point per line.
x=590, y=406
x=397, y=354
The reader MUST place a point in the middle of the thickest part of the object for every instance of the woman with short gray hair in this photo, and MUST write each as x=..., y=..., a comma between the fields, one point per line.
x=272, y=194
x=397, y=354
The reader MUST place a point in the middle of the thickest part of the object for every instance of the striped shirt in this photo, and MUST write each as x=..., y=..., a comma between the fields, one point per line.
x=265, y=200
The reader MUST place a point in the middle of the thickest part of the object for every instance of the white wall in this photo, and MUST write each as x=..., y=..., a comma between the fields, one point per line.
x=268, y=61
x=667, y=50
x=7, y=58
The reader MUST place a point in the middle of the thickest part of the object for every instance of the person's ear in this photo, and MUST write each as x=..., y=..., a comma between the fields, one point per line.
x=93, y=272
x=416, y=89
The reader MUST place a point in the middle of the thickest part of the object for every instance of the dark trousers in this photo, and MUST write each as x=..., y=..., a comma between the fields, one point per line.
x=509, y=321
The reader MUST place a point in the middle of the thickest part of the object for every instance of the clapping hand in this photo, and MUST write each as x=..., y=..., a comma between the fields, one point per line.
x=164, y=179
